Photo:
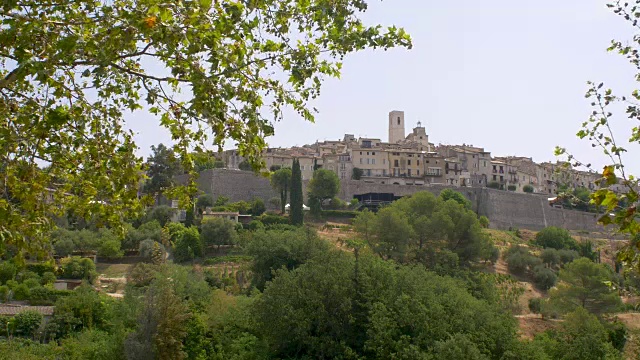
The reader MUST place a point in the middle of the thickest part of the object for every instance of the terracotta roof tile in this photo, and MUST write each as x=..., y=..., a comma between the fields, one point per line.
x=8, y=309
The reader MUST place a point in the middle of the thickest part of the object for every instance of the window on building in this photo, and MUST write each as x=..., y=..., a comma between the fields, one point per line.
x=360, y=160
x=367, y=161
x=409, y=172
x=418, y=172
x=494, y=178
x=373, y=153
x=398, y=120
x=360, y=152
x=418, y=162
x=420, y=137
x=408, y=162
x=395, y=163
x=501, y=178
x=373, y=161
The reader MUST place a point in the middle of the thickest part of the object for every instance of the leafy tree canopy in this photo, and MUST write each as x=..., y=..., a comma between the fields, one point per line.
x=70, y=70
x=447, y=194
x=585, y=284
x=556, y=238
x=323, y=185
x=421, y=227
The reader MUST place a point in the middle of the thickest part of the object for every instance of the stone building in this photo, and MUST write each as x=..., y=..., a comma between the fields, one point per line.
x=396, y=127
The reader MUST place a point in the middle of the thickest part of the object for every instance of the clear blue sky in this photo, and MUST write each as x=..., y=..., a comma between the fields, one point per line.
x=506, y=75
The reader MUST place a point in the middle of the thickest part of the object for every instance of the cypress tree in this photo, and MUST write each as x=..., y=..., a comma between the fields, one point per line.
x=295, y=195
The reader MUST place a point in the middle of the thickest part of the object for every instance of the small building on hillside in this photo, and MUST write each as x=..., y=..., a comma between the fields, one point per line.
x=66, y=284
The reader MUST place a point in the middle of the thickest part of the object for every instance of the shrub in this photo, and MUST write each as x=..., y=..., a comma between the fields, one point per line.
x=141, y=274
x=555, y=237
x=26, y=275
x=519, y=260
x=21, y=292
x=550, y=257
x=4, y=293
x=48, y=278
x=27, y=323
x=111, y=249
x=11, y=284
x=527, y=188
x=39, y=293
x=336, y=203
x=567, y=256
x=484, y=221
x=41, y=268
x=271, y=219
x=535, y=305
x=544, y=278
x=78, y=268
x=617, y=333
x=188, y=246
x=258, y=207
x=32, y=283
x=255, y=225
x=586, y=250
x=146, y=249
x=495, y=254
x=8, y=272
x=353, y=204
x=511, y=188
x=217, y=231
x=64, y=247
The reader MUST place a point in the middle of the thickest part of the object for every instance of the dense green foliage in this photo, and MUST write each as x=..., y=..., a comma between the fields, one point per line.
x=528, y=189
x=296, y=200
x=323, y=185
x=274, y=249
x=556, y=238
x=306, y=300
x=585, y=284
x=426, y=229
x=330, y=292
x=217, y=231
x=188, y=244
x=280, y=181
x=71, y=70
x=448, y=194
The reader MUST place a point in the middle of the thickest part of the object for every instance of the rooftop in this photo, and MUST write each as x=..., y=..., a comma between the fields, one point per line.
x=13, y=309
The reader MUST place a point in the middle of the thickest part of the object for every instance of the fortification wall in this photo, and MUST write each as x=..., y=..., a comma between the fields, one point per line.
x=504, y=209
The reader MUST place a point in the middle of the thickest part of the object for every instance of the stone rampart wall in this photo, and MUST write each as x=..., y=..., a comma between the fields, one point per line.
x=504, y=209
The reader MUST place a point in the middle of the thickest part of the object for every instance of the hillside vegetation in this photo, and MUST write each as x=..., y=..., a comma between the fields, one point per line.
x=421, y=278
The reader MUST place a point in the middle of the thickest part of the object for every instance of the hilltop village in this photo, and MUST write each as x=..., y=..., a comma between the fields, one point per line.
x=410, y=159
